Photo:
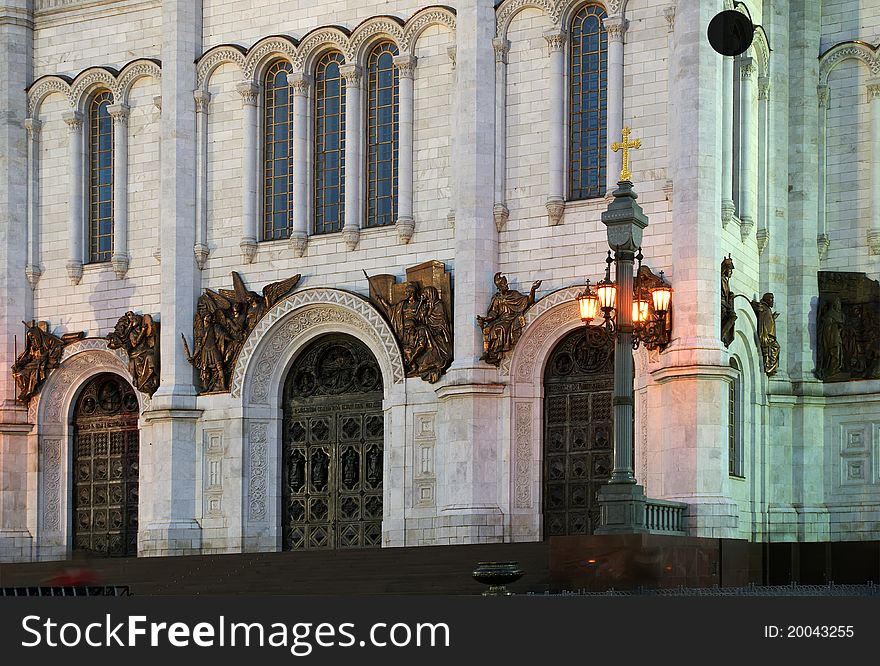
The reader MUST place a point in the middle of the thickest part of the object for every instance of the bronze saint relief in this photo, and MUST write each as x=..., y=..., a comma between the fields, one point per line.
x=138, y=335
x=728, y=315
x=767, y=332
x=504, y=322
x=42, y=354
x=847, y=327
x=222, y=323
x=419, y=311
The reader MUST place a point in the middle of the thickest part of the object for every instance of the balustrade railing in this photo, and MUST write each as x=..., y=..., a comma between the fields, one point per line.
x=664, y=517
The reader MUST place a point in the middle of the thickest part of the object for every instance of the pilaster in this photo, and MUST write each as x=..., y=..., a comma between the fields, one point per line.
x=748, y=190
x=200, y=249
x=468, y=394
x=500, y=212
x=615, y=27
x=167, y=524
x=16, y=297
x=874, y=231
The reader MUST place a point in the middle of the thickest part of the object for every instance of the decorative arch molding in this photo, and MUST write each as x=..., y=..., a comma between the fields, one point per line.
x=372, y=30
x=217, y=56
x=77, y=89
x=558, y=11
x=545, y=321
x=293, y=321
x=857, y=50
x=303, y=52
x=81, y=361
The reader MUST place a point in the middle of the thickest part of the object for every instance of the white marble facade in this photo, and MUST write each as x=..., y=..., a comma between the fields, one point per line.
x=773, y=158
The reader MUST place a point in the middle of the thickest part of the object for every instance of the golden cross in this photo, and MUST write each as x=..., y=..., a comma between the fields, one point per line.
x=625, y=173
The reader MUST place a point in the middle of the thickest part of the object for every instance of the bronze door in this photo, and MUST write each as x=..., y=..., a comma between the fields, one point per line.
x=333, y=448
x=105, y=468
x=578, y=427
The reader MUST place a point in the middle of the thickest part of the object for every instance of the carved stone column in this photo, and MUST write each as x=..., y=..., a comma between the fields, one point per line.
x=249, y=92
x=32, y=268
x=822, y=241
x=874, y=101
x=299, y=237
x=500, y=212
x=747, y=167
x=728, y=208
x=351, y=230
x=200, y=249
x=120, y=258
x=556, y=195
x=405, y=222
x=75, y=222
x=615, y=26
x=763, y=234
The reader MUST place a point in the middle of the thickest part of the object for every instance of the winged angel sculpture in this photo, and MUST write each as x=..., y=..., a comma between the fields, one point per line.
x=222, y=322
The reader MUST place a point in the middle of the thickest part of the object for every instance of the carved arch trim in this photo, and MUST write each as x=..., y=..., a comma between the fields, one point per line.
x=78, y=89
x=558, y=11
x=217, y=56
x=292, y=321
x=857, y=50
x=547, y=322
x=303, y=53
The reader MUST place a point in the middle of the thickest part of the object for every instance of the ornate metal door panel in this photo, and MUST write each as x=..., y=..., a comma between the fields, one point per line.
x=333, y=447
x=105, y=468
x=578, y=427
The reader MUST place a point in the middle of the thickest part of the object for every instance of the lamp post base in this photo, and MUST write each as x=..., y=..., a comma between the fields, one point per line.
x=622, y=509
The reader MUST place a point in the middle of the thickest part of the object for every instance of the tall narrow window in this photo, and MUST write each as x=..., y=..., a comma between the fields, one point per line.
x=734, y=446
x=588, y=103
x=277, y=153
x=100, y=178
x=383, y=103
x=329, y=144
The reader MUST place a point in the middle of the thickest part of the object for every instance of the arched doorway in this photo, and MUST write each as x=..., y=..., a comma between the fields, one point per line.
x=578, y=427
x=105, y=468
x=333, y=447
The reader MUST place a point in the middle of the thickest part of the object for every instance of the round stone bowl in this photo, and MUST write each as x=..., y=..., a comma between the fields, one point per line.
x=497, y=575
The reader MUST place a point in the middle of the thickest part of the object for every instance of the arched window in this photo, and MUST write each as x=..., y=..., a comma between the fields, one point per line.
x=329, y=144
x=100, y=178
x=588, y=103
x=734, y=426
x=383, y=104
x=277, y=152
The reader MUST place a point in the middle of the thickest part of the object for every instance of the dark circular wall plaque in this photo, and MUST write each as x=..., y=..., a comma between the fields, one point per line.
x=730, y=32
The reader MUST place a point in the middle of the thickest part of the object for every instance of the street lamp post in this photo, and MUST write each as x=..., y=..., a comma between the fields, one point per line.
x=622, y=501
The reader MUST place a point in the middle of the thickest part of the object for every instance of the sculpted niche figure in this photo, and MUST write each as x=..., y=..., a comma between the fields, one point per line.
x=830, y=343
x=418, y=311
x=138, y=335
x=505, y=320
x=767, y=332
x=42, y=354
x=222, y=322
x=728, y=315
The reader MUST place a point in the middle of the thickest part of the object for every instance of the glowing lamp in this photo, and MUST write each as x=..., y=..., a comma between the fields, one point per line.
x=588, y=304
x=640, y=311
x=607, y=292
x=662, y=295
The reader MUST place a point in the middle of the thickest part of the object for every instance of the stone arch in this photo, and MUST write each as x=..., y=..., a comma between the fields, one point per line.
x=372, y=31
x=424, y=19
x=290, y=323
x=870, y=55
x=133, y=71
x=219, y=55
x=87, y=82
x=506, y=12
x=567, y=10
x=42, y=88
x=317, y=42
x=52, y=411
x=266, y=51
